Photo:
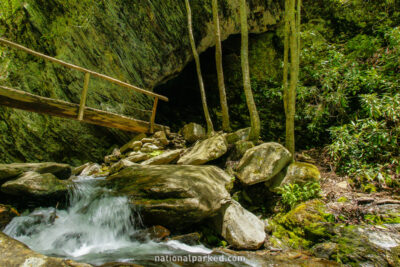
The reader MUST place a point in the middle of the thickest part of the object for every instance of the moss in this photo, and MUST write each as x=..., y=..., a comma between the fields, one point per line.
x=304, y=226
x=342, y=200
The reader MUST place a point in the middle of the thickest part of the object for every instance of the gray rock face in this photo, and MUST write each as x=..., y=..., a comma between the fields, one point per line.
x=193, y=132
x=261, y=163
x=172, y=195
x=205, y=151
x=241, y=228
x=36, y=186
x=62, y=171
x=165, y=158
x=14, y=253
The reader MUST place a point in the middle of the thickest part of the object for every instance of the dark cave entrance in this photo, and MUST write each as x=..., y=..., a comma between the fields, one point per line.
x=183, y=91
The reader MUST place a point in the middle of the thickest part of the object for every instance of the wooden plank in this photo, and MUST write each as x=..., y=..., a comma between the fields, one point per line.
x=72, y=66
x=84, y=95
x=27, y=101
x=153, y=115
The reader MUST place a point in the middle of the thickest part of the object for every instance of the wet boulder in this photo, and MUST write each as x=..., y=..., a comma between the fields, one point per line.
x=15, y=253
x=36, y=186
x=263, y=162
x=241, y=228
x=155, y=233
x=172, y=195
x=91, y=169
x=62, y=171
x=205, y=151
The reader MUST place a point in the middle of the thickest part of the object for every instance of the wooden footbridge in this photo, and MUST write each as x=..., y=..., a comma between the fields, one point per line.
x=22, y=100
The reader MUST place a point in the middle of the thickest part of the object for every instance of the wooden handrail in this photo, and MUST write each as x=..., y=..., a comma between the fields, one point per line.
x=72, y=66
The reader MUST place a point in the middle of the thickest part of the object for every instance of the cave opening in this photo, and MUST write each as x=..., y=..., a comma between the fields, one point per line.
x=183, y=91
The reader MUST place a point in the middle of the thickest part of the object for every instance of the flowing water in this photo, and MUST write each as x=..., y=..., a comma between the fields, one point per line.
x=96, y=228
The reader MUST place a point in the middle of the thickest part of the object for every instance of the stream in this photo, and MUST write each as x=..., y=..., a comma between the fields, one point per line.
x=97, y=228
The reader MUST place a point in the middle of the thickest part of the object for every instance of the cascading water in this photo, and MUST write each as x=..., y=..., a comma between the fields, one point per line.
x=96, y=228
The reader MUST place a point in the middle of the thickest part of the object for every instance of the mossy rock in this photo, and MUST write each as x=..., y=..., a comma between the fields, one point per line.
x=303, y=226
x=296, y=173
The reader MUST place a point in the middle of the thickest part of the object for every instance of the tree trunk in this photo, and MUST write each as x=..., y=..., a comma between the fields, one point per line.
x=210, y=127
x=220, y=72
x=254, y=118
x=286, y=56
x=294, y=74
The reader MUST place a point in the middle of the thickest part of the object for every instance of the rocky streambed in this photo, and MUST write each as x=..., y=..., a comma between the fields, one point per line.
x=182, y=194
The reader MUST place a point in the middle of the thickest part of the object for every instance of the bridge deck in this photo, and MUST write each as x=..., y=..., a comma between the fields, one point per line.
x=22, y=100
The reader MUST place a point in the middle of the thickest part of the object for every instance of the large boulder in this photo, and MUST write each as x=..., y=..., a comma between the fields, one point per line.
x=36, y=186
x=165, y=158
x=296, y=173
x=14, y=253
x=263, y=162
x=241, y=228
x=205, y=151
x=172, y=195
x=193, y=132
x=62, y=171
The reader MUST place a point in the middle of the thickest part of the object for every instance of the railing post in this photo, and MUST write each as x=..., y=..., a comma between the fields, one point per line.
x=83, y=97
x=153, y=115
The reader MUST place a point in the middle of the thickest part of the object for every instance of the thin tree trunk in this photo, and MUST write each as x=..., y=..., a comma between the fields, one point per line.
x=255, y=119
x=220, y=72
x=210, y=127
x=294, y=73
x=286, y=56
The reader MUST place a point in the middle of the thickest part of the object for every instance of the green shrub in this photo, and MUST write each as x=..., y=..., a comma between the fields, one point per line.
x=293, y=194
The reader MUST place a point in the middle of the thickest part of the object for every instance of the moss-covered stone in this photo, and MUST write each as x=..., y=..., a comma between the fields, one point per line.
x=302, y=227
x=296, y=173
x=144, y=49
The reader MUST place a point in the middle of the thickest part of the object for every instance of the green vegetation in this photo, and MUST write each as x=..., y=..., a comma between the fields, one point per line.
x=293, y=194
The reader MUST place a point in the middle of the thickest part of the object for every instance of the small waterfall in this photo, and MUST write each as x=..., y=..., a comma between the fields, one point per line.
x=96, y=228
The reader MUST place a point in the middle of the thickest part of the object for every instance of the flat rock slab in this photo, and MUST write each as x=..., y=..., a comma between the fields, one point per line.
x=263, y=162
x=172, y=195
x=36, y=186
x=14, y=253
x=7, y=172
x=205, y=151
x=241, y=228
x=165, y=158
x=61, y=171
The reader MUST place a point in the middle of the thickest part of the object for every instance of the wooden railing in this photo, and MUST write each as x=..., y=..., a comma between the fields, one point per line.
x=89, y=73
